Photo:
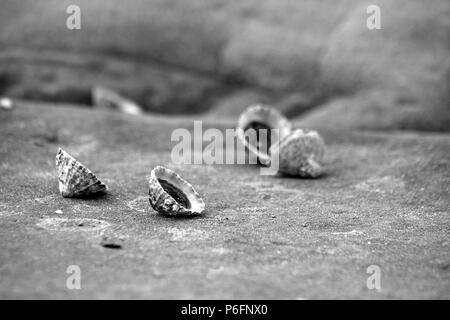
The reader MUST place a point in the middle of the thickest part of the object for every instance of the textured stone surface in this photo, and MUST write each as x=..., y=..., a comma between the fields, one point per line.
x=220, y=56
x=383, y=201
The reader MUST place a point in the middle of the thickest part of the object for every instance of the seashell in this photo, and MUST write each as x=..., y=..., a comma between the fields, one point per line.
x=172, y=195
x=262, y=117
x=75, y=180
x=300, y=154
x=6, y=103
x=108, y=99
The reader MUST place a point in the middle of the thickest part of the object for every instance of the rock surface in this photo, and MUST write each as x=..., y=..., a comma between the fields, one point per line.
x=384, y=201
x=220, y=56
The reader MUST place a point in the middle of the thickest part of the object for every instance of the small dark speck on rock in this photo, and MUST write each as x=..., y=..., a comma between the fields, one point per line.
x=111, y=243
x=266, y=197
x=445, y=267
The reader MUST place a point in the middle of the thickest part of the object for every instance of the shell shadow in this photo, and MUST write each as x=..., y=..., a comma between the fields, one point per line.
x=97, y=197
x=160, y=216
x=324, y=175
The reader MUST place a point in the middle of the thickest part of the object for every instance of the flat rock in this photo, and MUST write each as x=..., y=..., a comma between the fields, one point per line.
x=384, y=201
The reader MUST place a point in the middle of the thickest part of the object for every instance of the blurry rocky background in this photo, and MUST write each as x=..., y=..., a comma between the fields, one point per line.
x=315, y=60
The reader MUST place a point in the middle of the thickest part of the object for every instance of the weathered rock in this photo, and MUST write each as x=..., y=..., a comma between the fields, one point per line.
x=393, y=78
x=383, y=201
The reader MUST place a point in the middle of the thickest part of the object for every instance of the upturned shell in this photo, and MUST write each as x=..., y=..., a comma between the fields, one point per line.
x=262, y=117
x=75, y=180
x=108, y=99
x=300, y=154
x=172, y=195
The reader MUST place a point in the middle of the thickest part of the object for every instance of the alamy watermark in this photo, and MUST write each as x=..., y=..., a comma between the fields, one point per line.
x=373, y=22
x=73, y=282
x=212, y=146
x=73, y=21
x=374, y=280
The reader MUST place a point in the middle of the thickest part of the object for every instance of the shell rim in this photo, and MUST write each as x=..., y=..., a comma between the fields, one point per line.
x=262, y=112
x=199, y=208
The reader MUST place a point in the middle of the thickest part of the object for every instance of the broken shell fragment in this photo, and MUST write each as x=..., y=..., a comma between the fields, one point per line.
x=75, y=180
x=300, y=154
x=107, y=99
x=257, y=117
x=172, y=195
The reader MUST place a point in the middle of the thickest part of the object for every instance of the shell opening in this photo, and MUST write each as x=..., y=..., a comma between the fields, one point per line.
x=252, y=121
x=170, y=194
x=262, y=145
x=177, y=194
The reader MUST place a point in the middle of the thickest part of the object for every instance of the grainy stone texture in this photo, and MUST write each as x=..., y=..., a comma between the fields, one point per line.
x=383, y=201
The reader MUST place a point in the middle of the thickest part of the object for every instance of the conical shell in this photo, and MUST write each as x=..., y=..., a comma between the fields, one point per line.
x=108, y=99
x=172, y=195
x=262, y=117
x=300, y=154
x=75, y=180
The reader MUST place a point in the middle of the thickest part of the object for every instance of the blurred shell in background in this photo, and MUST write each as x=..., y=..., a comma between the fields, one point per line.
x=107, y=99
x=6, y=103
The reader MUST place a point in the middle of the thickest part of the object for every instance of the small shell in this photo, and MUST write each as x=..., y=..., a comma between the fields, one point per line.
x=6, y=103
x=300, y=154
x=108, y=99
x=75, y=180
x=172, y=195
x=262, y=117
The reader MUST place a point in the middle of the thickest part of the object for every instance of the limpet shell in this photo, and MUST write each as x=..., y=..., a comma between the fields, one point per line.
x=170, y=194
x=262, y=117
x=75, y=180
x=300, y=154
x=107, y=99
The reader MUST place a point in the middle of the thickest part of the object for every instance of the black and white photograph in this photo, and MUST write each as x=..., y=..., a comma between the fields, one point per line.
x=221, y=150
